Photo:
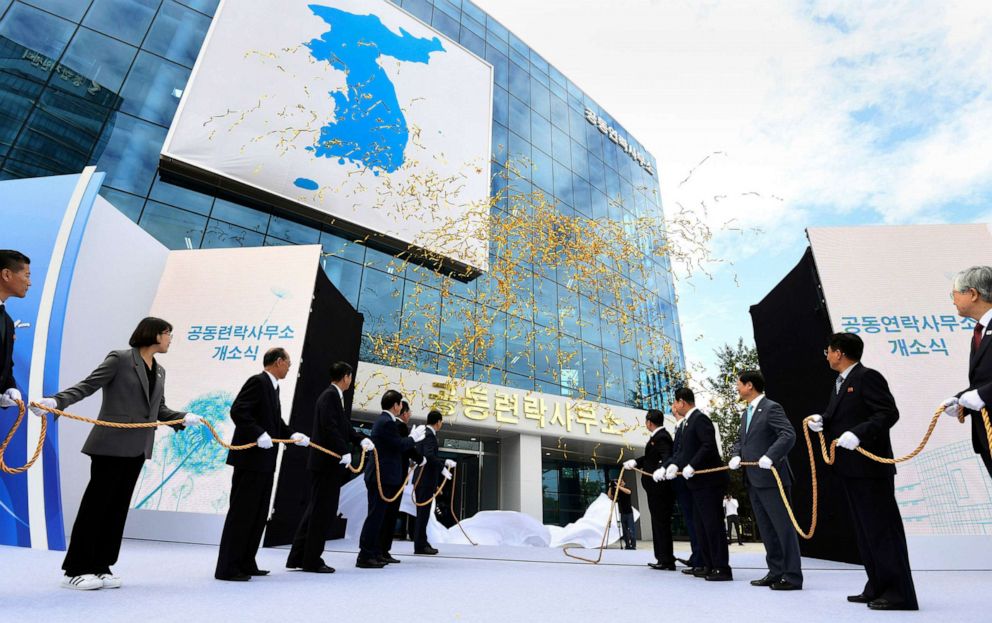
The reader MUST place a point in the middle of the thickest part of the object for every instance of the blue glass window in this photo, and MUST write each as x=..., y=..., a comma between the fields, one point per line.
x=501, y=139
x=346, y=277
x=469, y=9
x=501, y=69
x=177, y=33
x=69, y=9
x=153, y=89
x=559, y=113
x=238, y=214
x=473, y=42
x=519, y=82
x=99, y=58
x=592, y=371
x=563, y=184
x=291, y=231
x=131, y=156
x=540, y=99
x=381, y=301
x=540, y=135
x=474, y=26
x=519, y=154
x=336, y=246
x=203, y=6
x=127, y=20
x=182, y=197
x=542, y=171
x=520, y=117
x=36, y=30
x=221, y=235
x=176, y=229
x=445, y=24
x=421, y=317
x=128, y=204
x=501, y=105
x=496, y=29
x=422, y=9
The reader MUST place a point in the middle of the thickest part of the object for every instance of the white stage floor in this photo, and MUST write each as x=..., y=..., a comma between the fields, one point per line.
x=174, y=582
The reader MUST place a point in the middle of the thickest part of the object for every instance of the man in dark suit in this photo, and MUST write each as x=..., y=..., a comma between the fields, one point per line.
x=860, y=413
x=684, y=497
x=661, y=496
x=411, y=457
x=626, y=511
x=766, y=437
x=257, y=415
x=332, y=429
x=390, y=448
x=972, y=296
x=700, y=451
x=431, y=474
x=15, y=279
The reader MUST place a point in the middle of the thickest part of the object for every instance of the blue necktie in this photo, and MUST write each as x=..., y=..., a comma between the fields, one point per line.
x=750, y=412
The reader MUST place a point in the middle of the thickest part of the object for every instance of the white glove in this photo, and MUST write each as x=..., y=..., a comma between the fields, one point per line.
x=446, y=473
x=423, y=461
x=300, y=439
x=8, y=398
x=687, y=472
x=950, y=406
x=848, y=441
x=449, y=464
x=346, y=459
x=971, y=400
x=671, y=471
x=765, y=463
x=264, y=441
x=659, y=475
x=815, y=423
x=630, y=464
x=367, y=445
x=735, y=463
x=418, y=433
x=48, y=403
x=192, y=419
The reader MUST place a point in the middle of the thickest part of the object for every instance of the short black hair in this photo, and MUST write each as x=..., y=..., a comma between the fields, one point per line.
x=14, y=260
x=405, y=407
x=684, y=393
x=655, y=416
x=390, y=399
x=339, y=370
x=433, y=417
x=849, y=344
x=147, y=332
x=273, y=355
x=754, y=377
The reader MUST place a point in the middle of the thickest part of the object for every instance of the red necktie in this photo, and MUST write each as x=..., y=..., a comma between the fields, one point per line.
x=976, y=339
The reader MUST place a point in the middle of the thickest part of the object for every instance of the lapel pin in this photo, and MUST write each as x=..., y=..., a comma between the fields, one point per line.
x=850, y=390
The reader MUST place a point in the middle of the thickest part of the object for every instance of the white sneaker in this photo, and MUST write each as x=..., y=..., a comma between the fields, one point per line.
x=85, y=582
x=110, y=580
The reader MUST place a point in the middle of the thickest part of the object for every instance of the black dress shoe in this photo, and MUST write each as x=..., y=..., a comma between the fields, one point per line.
x=661, y=567
x=768, y=580
x=240, y=577
x=389, y=560
x=720, y=575
x=785, y=585
x=320, y=569
x=259, y=572
x=426, y=551
x=884, y=604
x=858, y=599
x=689, y=571
x=683, y=562
x=700, y=572
x=369, y=563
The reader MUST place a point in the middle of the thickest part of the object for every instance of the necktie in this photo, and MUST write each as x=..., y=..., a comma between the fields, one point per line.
x=838, y=383
x=976, y=338
x=750, y=412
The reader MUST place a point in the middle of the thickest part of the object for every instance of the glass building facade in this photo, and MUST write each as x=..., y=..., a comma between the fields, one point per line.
x=97, y=82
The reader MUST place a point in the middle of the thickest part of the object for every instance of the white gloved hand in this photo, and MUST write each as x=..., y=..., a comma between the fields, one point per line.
x=300, y=439
x=346, y=459
x=659, y=475
x=448, y=463
x=765, y=463
x=671, y=471
x=446, y=473
x=367, y=445
x=423, y=461
x=418, y=433
x=971, y=400
x=848, y=441
x=48, y=403
x=735, y=463
x=192, y=419
x=687, y=472
x=264, y=441
x=815, y=423
x=950, y=406
x=8, y=398
x=630, y=464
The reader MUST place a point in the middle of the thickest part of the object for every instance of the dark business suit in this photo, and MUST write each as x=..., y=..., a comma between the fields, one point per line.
x=332, y=429
x=256, y=410
x=391, y=448
x=428, y=448
x=6, y=352
x=699, y=449
x=116, y=455
x=684, y=497
x=865, y=406
x=770, y=434
x=388, y=530
x=980, y=378
x=661, y=495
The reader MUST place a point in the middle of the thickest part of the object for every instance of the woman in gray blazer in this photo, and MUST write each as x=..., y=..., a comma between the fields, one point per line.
x=133, y=385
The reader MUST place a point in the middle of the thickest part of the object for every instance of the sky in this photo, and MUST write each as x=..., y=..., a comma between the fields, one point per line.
x=768, y=117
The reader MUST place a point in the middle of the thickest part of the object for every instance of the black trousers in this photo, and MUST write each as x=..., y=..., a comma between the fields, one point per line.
x=881, y=539
x=423, y=517
x=245, y=522
x=707, y=512
x=661, y=502
x=96, y=535
x=369, y=542
x=311, y=534
x=684, y=497
x=388, y=529
x=735, y=522
x=777, y=533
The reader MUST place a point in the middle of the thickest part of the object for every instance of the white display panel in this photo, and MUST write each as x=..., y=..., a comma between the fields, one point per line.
x=350, y=108
x=891, y=286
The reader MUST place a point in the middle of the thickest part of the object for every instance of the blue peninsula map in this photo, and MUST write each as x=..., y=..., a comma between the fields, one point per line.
x=369, y=128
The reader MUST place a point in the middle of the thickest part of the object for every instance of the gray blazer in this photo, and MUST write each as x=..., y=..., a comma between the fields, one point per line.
x=124, y=381
x=770, y=434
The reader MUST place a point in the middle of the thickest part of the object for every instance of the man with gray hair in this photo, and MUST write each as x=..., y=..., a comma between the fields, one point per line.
x=972, y=296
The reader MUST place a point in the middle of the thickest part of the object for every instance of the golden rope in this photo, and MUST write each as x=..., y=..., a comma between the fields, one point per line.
x=416, y=483
x=451, y=507
x=10, y=435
